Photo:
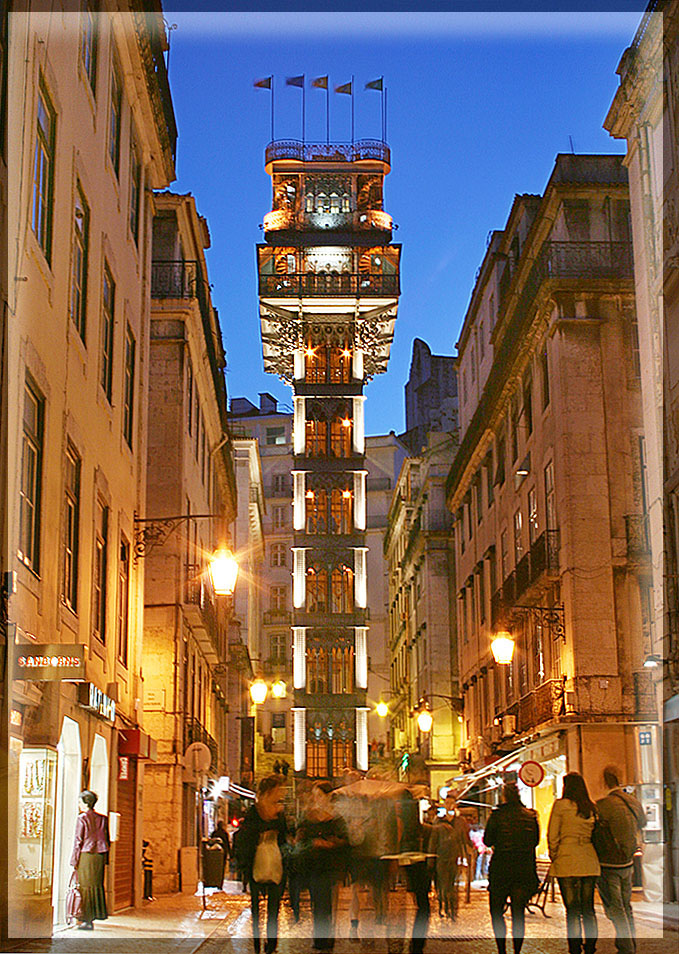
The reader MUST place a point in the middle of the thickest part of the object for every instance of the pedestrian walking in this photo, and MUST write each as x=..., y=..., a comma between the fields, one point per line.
x=513, y=832
x=574, y=861
x=221, y=834
x=450, y=843
x=412, y=847
x=147, y=868
x=625, y=817
x=91, y=846
x=260, y=847
x=322, y=856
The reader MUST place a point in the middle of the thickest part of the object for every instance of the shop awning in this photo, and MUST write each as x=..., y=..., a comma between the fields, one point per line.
x=134, y=741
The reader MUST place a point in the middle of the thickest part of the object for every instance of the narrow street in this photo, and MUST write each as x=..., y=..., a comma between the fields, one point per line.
x=176, y=925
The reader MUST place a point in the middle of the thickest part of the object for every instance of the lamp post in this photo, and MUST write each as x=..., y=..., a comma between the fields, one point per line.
x=502, y=648
x=259, y=690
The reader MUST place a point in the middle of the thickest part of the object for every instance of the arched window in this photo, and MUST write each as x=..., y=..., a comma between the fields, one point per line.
x=346, y=202
x=317, y=511
x=341, y=510
x=341, y=430
x=322, y=204
x=316, y=438
x=334, y=202
x=342, y=589
x=316, y=590
x=317, y=669
x=309, y=202
x=342, y=661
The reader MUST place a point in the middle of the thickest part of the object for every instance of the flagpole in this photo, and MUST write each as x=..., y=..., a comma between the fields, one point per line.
x=385, y=114
x=273, y=138
x=384, y=136
x=303, y=110
x=352, y=110
x=327, y=111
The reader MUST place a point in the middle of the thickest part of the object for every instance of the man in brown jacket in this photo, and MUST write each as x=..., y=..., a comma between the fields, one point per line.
x=625, y=817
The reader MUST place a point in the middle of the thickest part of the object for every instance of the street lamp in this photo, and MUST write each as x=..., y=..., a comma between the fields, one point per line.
x=382, y=709
x=502, y=648
x=223, y=569
x=279, y=690
x=258, y=691
x=425, y=720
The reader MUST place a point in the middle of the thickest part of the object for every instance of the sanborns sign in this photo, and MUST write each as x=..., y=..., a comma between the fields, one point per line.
x=50, y=662
x=92, y=698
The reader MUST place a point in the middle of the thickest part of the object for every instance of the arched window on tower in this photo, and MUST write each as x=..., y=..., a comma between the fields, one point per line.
x=317, y=669
x=322, y=203
x=341, y=436
x=316, y=438
x=316, y=589
x=309, y=202
x=342, y=583
x=341, y=517
x=316, y=511
x=334, y=202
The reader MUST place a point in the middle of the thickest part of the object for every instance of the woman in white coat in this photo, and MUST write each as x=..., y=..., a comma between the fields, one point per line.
x=574, y=861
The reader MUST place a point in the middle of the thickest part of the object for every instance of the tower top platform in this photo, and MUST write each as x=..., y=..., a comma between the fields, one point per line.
x=344, y=152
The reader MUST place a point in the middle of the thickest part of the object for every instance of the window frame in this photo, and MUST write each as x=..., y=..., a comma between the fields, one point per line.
x=129, y=370
x=123, y=606
x=43, y=173
x=99, y=570
x=115, y=120
x=89, y=40
x=80, y=262
x=71, y=532
x=107, y=331
x=135, y=186
x=35, y=440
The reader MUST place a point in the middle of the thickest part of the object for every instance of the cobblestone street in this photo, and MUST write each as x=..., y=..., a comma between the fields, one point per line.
x=177, y=925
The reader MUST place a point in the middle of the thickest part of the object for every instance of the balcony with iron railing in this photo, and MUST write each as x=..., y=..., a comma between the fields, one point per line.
x=328, y=151
x=540, y=705
x=637, y=534
x=542, y=558
x=282, y=220
x=327, y=284
x=194, y=731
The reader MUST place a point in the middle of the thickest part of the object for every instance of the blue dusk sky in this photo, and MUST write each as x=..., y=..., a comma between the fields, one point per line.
x=479, y=105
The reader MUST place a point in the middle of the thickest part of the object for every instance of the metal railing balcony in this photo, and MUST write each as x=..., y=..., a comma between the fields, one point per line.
x=194, y=731
x=586, y=260
x=311, y=284
x=328, y=151
x=540, y=705
x=286, y=219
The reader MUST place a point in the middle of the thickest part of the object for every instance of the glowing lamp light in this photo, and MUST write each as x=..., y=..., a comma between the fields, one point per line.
x=223, y=570
x=310, y=495
x=310, y=352
x=425, y=720
x=382, y=709
x=652, y=661
x=502, y=648
x=346, y=422
x=346, y=494
x=279, y=690
x=258, y=691
x=346, y=353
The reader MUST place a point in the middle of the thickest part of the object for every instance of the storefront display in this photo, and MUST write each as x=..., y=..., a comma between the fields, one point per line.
x=37, y=776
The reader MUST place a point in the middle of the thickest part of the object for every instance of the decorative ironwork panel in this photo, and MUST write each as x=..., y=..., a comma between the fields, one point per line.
x=322, y=152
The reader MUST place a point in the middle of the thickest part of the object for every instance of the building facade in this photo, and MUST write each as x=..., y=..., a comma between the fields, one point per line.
x=271, y=644
x=91, y=133
x=422, y=647
x=645, y=113
x=190, y=502
x=328, y=291
x=547, y=490
x=431, y=396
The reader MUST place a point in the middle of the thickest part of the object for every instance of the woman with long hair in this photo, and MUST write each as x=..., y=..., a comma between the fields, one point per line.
x=513, y=833
x=574, y=861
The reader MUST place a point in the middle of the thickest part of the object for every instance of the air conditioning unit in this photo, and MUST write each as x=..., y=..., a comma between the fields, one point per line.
x=508, y=726
x=495, y=733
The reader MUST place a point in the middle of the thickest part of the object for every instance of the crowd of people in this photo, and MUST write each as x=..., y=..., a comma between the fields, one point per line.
x=370, y=834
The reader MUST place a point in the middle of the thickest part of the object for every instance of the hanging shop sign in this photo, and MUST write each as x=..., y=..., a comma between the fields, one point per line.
x=531, y=773
x=50, y=662
x=92, y=698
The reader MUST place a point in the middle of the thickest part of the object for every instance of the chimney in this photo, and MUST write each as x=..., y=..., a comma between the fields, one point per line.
x=267, y=403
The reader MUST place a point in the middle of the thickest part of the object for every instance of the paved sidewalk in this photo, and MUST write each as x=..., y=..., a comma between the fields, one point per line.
x=177, y=924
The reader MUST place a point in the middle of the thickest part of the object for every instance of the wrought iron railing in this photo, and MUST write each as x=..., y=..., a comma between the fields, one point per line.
x=544, y=554
x=324, y=151
x=636, y=531
x=284, y=219
x=540, y=705
x=586, y=260
x=523, y=574
x=321, y=284
x=194, y=731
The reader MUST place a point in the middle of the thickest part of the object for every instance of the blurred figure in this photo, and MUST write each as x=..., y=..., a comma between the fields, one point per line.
x=625, y=817
x=260, y=845
x=482, y=853
x=147, y=868
x=410, y=841
x=574, y=861
x=323, y=839
x=450, y=843
x=222, y=836
x=513, y=833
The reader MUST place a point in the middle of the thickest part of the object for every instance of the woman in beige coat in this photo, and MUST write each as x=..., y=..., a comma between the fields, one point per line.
x=574, y=860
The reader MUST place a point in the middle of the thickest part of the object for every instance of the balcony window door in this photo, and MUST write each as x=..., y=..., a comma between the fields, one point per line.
x=342, y=590
x=316, y=590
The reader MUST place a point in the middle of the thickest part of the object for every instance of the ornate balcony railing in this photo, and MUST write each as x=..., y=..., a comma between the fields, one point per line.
x=324, y=152
x=175, y=280
x=195, y=732
x=523, y=574
x=636, y=530
x=543, y=557
x=322, y=284
x=544, y=554
x=286, y=219
x=540, y=705
x=586, y=260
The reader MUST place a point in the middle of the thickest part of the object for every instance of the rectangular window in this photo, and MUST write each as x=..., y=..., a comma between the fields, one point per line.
x=275, y=435
x=528, y=405
x=514, y=430
x=482, y=343
x=31, y=476
x=135, y=191
x=196, y=421
x=278, y=517
x=518, y=539
x=43, y=172
x=123, y=600
x=636, y=355
x=544, y=364
x=482, y=592
x=504, y=554
x=278, y=647
x=128, y=386
x=107, y=319
x=278, y=597
x=81, y=231
x=189, y=395
x=88, y=46
x=489, y=478
x=72, y=465
x=203, y=448
x=278, y=554
x=115, y=117
x=478, y=493
x=533, y=523
x=281, y=483
x=99, y=566
x=501, y=454
x=550, y=498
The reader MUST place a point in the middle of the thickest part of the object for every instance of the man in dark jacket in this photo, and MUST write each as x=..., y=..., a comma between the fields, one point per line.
x=259, y=851
x=625, y=817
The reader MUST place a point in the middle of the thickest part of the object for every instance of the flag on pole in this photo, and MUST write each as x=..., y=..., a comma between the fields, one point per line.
x=375, y=84
x=321, y=82
x=346, y=88
x=263, y=83
x=295, y=81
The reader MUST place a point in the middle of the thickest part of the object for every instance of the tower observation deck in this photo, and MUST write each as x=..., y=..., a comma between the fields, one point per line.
x=329, y=286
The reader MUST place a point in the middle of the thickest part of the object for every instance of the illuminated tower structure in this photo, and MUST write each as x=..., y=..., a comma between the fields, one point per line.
x=328, y=294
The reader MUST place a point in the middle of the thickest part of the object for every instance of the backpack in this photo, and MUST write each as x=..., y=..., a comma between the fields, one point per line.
x=608, y=848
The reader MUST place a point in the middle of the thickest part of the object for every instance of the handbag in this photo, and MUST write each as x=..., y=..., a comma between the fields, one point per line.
x=74, y=900
x=608, y=848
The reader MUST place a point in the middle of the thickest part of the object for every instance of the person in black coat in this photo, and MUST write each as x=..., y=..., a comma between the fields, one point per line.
x=513, y=832
x=260, y=849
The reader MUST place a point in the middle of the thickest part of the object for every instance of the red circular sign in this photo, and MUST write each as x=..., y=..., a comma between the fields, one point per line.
x=531, y=773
